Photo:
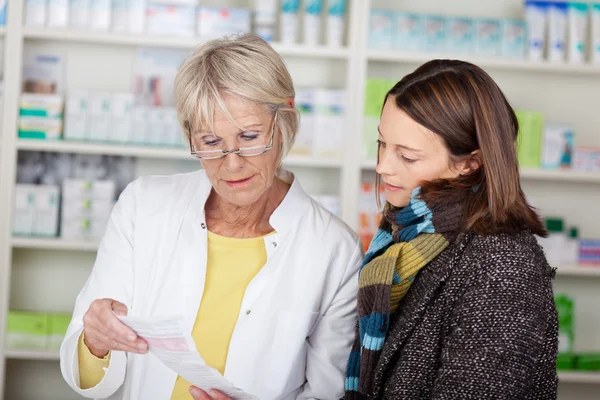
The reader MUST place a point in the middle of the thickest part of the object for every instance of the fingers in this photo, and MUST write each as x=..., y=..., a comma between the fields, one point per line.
x=119, y=308
x=104, y=331
x=216, y=395
x=199, y=394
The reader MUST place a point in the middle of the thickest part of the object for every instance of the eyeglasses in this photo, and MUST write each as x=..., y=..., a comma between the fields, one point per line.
x=242, y=151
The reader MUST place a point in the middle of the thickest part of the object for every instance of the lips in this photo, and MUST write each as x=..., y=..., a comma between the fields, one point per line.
x=392, y=188
x=239, y=183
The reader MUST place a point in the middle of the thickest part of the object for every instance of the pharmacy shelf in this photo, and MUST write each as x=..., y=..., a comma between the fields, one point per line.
x=533, y=174
x=32, y=354
x=578, y=271
x=579, y=377
x=60, y=146
x=488, y=62
x=54, y=244
x=560, y=175
x=108, y=38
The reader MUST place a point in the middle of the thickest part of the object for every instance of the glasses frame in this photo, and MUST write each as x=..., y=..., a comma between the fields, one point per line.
x=239, y=150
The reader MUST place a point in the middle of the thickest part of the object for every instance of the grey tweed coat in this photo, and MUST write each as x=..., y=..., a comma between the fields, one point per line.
x=479, y=322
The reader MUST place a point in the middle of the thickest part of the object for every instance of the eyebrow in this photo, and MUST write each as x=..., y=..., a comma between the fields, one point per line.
x=401, y=145
x=245, y=128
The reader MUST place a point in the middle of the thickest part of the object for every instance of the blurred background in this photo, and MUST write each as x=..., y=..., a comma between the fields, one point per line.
x=87, y=107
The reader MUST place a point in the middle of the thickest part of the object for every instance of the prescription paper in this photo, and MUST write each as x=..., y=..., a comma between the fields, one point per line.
x=167, y=341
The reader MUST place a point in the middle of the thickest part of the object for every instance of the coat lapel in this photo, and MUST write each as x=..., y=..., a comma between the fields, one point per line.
x=426, y=286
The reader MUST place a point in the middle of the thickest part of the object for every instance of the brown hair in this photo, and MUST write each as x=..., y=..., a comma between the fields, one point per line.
x=462, y=104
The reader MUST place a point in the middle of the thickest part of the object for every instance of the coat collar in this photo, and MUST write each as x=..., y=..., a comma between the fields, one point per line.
x=411, y=309
x=286, y=215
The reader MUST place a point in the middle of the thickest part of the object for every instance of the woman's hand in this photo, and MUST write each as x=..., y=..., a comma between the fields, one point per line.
x=199, y=394
x=104, y=332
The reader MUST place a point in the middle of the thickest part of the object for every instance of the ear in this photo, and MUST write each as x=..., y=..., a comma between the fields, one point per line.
x=291, y=103
x=471, y=163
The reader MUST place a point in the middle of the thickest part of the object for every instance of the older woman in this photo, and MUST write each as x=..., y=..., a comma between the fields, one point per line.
x=264, y=277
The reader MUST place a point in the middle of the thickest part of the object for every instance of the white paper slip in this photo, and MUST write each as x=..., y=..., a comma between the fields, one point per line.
x=167, y=341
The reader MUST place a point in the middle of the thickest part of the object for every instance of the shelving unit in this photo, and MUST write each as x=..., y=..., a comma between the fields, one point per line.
x=489, y=62
x=534, y=174
x=149, y=152
x=35, y=355
x=518, y=78
x=106, y=38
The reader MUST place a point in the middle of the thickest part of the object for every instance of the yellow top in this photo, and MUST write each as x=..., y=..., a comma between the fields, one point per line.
x=232, y=263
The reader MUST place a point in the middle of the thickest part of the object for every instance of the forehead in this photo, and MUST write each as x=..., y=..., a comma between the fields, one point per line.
x=399, y=128
x=235, y=112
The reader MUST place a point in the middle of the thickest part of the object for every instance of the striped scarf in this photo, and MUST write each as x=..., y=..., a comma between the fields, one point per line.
x=392, y=261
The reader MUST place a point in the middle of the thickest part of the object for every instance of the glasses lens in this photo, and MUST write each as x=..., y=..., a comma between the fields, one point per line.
x=210, y=154
x=252, y=151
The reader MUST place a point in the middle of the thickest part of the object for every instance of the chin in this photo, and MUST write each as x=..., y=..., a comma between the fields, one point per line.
x=398, y=202
x=242, y=198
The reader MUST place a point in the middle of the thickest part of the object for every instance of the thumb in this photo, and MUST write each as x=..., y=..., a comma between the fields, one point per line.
x=119, y=308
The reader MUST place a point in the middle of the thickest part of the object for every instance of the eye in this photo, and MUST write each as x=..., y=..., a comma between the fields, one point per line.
x=408, y=160
x=210, y=141
x=249, y=136
x=381, y=143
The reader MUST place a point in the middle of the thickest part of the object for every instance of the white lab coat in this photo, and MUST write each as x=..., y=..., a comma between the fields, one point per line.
x=296, y=324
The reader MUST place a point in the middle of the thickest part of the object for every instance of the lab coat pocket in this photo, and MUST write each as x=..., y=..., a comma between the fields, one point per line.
x=287, y=356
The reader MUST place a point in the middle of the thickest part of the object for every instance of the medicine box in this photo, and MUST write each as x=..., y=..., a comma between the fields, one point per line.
x=587, y=159
x=408, y=31
x=40, y=128
x=79, y=14
x=57, y=329
x=83, y=189
x=461, y=35
x=329, y=123
x=305, y=104
x=435, y=33
x=24, y=209
x=558, y=146
x=76, y=116
x=487, y=37
x=99, y=116
x=170, y=20
x=216, y=22
x=121, y=117
x=47, y=201
x=35, y=12
x=514, y=38
x=41, y=105
x=26, y=330
x=381, y=30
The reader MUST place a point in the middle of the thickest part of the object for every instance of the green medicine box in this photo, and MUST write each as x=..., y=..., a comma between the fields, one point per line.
x=565, y=307
x=57, y=328
x=529, y=139
x=26, y=330
x=588, y=362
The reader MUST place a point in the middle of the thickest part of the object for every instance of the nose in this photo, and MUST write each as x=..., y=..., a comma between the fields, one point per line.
x=384, y=165
x=233, y=162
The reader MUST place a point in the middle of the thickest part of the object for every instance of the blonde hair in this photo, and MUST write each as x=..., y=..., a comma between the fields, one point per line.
x=244, y=66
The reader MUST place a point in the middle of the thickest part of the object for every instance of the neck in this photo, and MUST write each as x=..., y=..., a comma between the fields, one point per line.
x=227, y=219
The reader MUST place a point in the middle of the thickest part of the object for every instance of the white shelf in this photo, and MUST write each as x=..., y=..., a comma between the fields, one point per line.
x=578, y=271
x=54, y=244
x=2, y=31
x=84, y=36
x=579, y=377
x=533, y=174
x=61, y=146
x=487, y=62
x=560, y=175
x=32, y=354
